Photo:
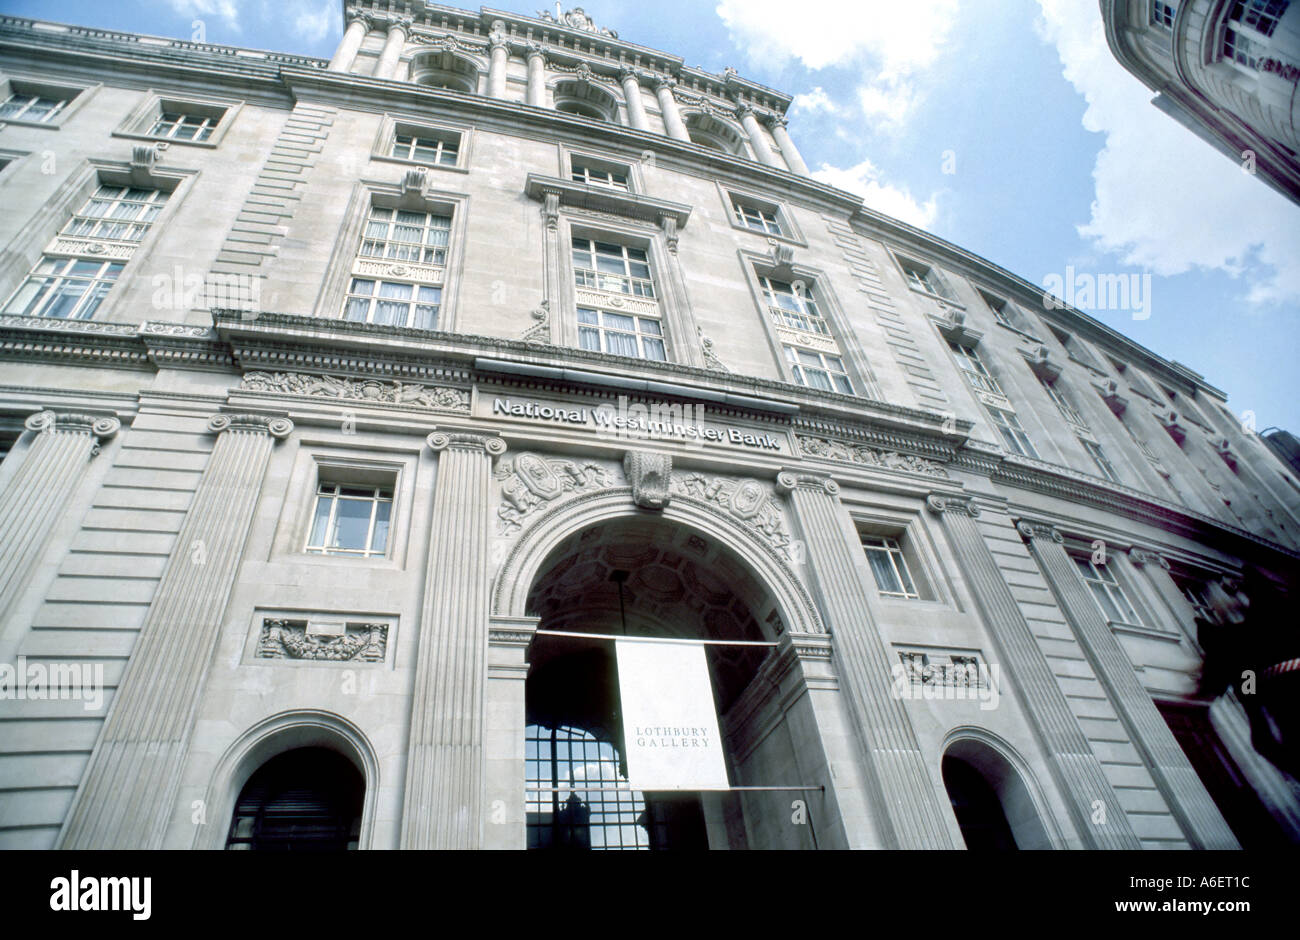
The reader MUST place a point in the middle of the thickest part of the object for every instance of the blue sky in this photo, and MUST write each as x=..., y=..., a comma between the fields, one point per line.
x=1004, y=126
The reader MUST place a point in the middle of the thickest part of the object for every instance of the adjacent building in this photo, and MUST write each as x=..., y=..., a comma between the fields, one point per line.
x=349, y=407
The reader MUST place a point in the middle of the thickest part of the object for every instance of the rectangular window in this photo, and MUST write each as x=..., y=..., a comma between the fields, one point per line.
x=66, y=288
x=37, y=108
x=350, y=520
x=177, y=126
x=1068, y=411
x=1162, y=14
x=1196, y=592
x=1106, y=591
x=758, y=218
x=885, y=556
x=972, y=366
x=999, y=309
x=1099, y=458
x=1013, y=435
x=438, y=151
x=925, y=278
x=398, y=235
x=818, y=370
x=1242, y=49
x=621, y=334
x=610, y=267
x=793, y=306
x=116, y=214
x=600, y=176
x=1260, y=15
x=393, y=303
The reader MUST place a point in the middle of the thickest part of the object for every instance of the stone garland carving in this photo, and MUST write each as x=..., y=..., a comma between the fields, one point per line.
x=539, y=332
x=962, y=671
x=870, y=456
x=447, y=43
x=72, y=326
x=748, y=501
x=529, y=481
x=395, y=392
x=288, y=639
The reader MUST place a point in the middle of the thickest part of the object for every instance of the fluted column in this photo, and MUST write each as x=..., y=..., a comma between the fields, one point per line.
x=668, y=106
x=793, y=159
x=443, y=803
x=912, y=815
x=128, y=791
x=1079, y=774
x=394, y=43
x=536, y=76
x=632, y=94
x=346, y=54
x=1186, y=795
x=757, y=139
x=500, y=58
x=50, y=471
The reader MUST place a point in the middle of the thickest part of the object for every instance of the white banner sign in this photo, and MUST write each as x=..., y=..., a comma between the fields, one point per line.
x=670, y=726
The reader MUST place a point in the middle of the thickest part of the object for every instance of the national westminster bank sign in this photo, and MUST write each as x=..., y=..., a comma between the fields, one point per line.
x=656, y=421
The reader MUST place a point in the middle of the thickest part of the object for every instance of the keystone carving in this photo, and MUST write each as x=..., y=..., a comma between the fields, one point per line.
x=651, y=478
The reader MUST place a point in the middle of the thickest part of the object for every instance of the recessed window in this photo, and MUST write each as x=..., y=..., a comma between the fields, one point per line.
x=65, y=288
x=1099, y=458
x=1162, y=14
x=606, y=176
x=399, y=235
x=793, y=306
x=1063, y=403
x=1013, y=435
x=436, y=151
x=818, y=370
x=972, y=366
x=350, y=520
x=610, y=267
x=621, y=334
x=758, y=218
x=393, y=303
x=1260, y=15
x=1106, y=591
x=117, y=213
x=40, y=109
x=924, y=278
x=889, y=567
x=176, y=126
x=1001, y=310
x=1196, y=591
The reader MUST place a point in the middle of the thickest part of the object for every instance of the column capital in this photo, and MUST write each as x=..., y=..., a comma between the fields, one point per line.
x=939, y=503
x=363, y=17
x=1142, y=557
x=490, y=444
x=665, y=81
x=1039, y=530
x=278, y=428
x=101, y=426
x=535, y=49
x=774, y=120
x=787, y=481
x=744, y=110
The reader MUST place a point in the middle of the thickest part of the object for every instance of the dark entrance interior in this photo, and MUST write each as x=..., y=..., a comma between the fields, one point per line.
x=979, y=812
x=304, y=800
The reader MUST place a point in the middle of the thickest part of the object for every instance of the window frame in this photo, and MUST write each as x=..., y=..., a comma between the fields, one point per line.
x=1110, y=586
x=377, y=499
x=1015, y=429
x=891, y=548
x=1161, y=14
x=790, y=232
x=76, y=97
x=394, y=125
x=143, y=118
x=939, y=288
x=602, y=331
x=1098, y=455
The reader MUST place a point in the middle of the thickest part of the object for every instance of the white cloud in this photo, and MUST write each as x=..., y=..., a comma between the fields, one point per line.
x=1164, y=199
x=227, y=10
x=864, y=179
x=810, y=102
x=314, y=19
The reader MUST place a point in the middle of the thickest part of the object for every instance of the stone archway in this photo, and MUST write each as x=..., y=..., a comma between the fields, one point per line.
x=994, y=793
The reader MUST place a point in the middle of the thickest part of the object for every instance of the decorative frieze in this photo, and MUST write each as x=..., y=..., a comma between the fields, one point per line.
x=530, y=481
x=375, y=391
x=748, y=501
x=944, y=668
x=869, y=456
x=292, y=639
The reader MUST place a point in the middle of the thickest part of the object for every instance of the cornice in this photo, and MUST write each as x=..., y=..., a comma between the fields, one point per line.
x=601, y=199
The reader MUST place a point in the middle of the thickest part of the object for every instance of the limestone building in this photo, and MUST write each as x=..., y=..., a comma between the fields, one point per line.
x=1225, y=69
x=351, y=408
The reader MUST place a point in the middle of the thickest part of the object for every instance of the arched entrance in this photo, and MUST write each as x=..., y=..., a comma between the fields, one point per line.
x=992, y=803
x=305, y=800
x=642, y=574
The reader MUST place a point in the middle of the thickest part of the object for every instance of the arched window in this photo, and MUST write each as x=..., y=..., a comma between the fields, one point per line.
x=586, y=99
x=708, y=131
x=445, y=70
x=304, y=800
x=990, y=799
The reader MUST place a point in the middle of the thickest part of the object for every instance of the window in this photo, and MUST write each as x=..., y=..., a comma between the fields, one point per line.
x=392, y=303
x=437, y=151
x=609, y=267
x=1241, y=49
x=889, y=567
x=620, y=334
x=1195, y=590
x=758, y=218
x=999, y=308
x=1114, y=606
x=610, y=178
x=177, y=126
x=350, y=520
x=112, y=222
x=818, y=370
x=37, y=108
x=1013, y=435
x=1162, y=14
x=793, y=308
x=1068, y=411
x=1099, y=458
x=924, y=278
x=398, y=235
x=972, y=366
x=1076, y=350
x=1260, y=15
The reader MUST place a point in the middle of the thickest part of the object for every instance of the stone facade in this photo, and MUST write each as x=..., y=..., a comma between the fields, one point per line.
x=1226, y=71
x=558, y=310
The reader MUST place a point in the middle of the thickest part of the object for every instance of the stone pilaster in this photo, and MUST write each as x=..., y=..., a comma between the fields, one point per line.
x=757, y=139
x=443, y=803
x=793, y=159
x=536, y=76
x=1079, y=774
x=1164, y=757
x=353, y=36
x=394, y=43
x=499, y=59
x=127, y=793
x=632, y=95
x=906, y=794
x=50, y=471
x=673, y=122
